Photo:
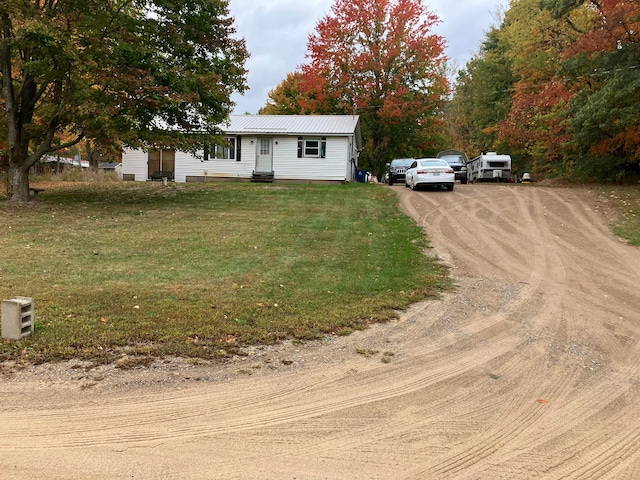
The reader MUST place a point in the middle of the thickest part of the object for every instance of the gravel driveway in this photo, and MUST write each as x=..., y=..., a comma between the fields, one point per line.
x=530, y=370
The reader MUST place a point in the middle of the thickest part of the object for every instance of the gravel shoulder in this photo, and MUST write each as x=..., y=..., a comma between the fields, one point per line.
x=529, y=370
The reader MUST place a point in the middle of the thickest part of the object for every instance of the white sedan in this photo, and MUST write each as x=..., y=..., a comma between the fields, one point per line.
x=432, y=172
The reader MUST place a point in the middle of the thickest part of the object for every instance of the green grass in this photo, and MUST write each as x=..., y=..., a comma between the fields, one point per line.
x=627, y=200
x=200, y=270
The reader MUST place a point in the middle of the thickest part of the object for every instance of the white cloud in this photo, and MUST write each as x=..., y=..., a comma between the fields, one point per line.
x=276, y=33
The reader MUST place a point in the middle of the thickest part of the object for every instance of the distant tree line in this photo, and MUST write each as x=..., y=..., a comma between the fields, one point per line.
x=557, y=85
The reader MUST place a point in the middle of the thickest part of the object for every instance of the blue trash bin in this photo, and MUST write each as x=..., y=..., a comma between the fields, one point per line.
x=361, y=175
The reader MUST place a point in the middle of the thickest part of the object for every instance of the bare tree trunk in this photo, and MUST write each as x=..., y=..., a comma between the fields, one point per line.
x=20, y=183
x=4, y=173
x=93, y=155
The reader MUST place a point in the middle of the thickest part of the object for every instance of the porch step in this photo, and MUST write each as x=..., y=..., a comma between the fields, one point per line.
x=263, y=177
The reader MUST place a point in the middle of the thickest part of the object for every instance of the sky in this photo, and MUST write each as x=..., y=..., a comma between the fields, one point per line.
x=276, y=33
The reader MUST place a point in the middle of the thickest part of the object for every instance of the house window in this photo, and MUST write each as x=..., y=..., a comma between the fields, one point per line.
x=312, y=147
x=265, y=146
x=224, y=151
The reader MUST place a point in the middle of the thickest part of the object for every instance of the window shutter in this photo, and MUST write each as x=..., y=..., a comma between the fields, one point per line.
x=300, y=147
x=238, y=147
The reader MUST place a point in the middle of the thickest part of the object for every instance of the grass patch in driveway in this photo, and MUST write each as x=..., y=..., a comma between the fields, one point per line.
x=627, y=201
x=200, y=270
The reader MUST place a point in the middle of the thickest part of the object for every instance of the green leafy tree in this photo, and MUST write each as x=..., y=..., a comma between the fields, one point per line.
x=144, y=72
x=483, y=96
x=602, y=66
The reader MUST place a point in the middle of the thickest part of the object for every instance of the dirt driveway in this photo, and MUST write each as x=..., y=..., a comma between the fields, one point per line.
x=530, y=370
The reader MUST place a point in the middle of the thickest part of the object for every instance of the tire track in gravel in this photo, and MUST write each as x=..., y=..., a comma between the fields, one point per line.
x=520, y=422
x=153, y=416
x=557, y=279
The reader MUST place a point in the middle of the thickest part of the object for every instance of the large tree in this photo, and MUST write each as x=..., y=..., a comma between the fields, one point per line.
x=602, y=65
x=143, y=71
x=287, y=98
x=379, y=59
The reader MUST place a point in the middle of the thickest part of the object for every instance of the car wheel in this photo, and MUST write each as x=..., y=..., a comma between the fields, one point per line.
x=414, y=187
x=464, y=181
x=390, y=181
x=450, y=187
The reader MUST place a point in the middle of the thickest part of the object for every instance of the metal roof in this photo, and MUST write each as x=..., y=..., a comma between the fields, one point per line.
x=293, y=124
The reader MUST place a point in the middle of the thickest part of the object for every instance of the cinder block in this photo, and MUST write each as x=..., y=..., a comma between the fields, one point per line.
x=17, y=318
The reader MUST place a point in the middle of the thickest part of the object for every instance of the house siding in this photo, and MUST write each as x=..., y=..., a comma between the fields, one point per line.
x=287, y=165
x=190, y=166
x=338, y=165
x=135, y=164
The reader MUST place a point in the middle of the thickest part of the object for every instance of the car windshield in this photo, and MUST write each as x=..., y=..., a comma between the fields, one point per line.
x=401, y=162
x=453, y=158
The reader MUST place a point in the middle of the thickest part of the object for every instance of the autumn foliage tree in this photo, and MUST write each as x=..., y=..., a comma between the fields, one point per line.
x=378, y=59
x=536, y=126
x=143, y=72
x=573, y=101
x=483, y=97
x=602, y=65
x=287, y=98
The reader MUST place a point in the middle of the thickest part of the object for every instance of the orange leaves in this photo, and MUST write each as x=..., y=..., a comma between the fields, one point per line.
x=627, y=140
x=615, y=23
x=369, y=50
x=378, y=59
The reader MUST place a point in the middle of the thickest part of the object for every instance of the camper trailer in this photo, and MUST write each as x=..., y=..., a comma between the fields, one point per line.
x=490, y=166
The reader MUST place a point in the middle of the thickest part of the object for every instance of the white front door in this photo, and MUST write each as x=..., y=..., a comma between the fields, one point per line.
x=264, y=158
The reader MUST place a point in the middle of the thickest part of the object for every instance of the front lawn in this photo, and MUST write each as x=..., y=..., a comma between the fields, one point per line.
x=200, y=270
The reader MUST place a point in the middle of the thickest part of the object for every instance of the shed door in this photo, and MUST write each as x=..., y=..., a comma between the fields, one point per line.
x=264, y=158
x=161, y=161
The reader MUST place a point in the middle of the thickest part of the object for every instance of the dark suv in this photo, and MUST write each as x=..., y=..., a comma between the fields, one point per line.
x=458, y=161
x=397, y=169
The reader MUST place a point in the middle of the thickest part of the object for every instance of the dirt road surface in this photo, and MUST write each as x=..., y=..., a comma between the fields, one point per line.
x=530, y=370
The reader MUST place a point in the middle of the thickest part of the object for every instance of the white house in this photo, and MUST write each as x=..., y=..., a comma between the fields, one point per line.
x=295, y=148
